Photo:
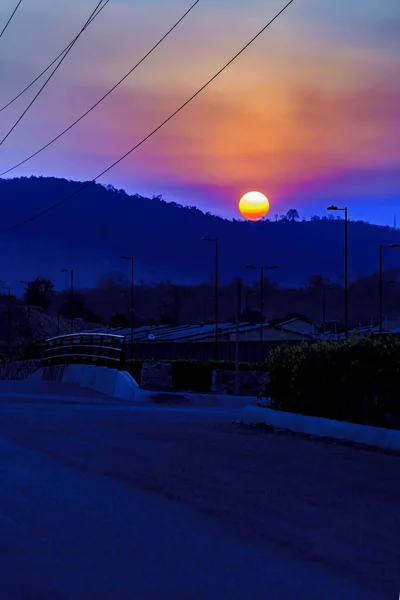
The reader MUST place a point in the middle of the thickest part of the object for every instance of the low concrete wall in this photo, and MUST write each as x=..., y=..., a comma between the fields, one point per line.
x=121, y=385
x=88, y=376
x=126, y=387
x=110, y=382
x=251, y=383
x=156, y=377
x=378, y=437
x=104, y=380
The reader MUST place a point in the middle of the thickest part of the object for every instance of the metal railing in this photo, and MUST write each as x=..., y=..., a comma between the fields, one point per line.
x=88, y=348
x=113, y=350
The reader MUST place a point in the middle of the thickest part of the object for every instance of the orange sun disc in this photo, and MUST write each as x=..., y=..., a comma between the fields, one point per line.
x=253, y=206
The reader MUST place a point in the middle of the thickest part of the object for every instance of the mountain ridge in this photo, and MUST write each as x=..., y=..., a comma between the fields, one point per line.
x=90, y=232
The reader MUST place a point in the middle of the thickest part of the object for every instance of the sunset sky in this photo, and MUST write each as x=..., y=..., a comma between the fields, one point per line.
x=309, y=115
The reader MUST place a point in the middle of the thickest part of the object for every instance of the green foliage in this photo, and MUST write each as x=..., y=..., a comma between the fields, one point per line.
x=193, y=375
x=355, y=380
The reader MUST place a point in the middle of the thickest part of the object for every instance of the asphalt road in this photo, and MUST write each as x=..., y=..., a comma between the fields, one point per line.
x=107, y=502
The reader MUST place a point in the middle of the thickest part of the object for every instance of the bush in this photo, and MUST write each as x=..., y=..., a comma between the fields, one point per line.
x=354, y=380
x=193, y=375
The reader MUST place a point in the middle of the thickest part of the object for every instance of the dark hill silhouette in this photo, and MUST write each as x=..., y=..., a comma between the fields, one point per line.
x=91, y=231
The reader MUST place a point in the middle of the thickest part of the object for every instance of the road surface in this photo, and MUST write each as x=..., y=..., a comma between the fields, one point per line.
x=106, y=502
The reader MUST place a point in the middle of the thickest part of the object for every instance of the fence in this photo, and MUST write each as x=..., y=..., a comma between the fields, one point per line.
x=100, y=349
x=112, y=350
x=254, y=351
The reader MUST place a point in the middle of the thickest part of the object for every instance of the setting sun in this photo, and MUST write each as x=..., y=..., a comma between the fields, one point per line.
x=253, y=206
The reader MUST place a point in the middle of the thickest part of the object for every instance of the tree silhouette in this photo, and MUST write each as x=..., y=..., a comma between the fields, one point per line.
x=39, y=292
x=292, y=215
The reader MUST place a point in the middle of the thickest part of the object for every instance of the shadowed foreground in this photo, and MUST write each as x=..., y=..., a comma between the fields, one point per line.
x=100, y=501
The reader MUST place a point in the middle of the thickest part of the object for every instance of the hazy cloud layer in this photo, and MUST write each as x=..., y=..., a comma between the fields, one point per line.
x=315, y=102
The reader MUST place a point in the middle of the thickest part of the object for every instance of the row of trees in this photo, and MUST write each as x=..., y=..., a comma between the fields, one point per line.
x=317, y=300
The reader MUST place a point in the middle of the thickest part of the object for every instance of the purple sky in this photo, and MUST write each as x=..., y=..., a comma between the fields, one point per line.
x=309, y=115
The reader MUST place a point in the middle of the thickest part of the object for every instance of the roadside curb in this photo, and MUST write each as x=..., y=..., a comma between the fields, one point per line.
x=377, y=437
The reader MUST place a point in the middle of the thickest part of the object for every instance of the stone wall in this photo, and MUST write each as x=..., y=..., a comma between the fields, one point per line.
x=251, y=383
x=156, y=377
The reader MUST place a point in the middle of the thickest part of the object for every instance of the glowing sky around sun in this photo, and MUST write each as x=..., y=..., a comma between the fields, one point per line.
x=309, y=114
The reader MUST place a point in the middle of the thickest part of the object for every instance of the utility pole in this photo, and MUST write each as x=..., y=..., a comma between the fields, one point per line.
x=71, y=272
x=132, y=261
x=8, y=288
x=216, y=291
x=262, y=269
x=28, y=303
x=346, y=267
x=238, y=312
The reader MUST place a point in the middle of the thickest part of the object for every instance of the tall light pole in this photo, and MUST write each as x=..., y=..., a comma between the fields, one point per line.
x=132, y=261
x=381, y=248
x=58, y=313
x=8, y=288
x=346, y=268
x=28, y=301
x=71, y=272
x=262, y=269
x=216, y=292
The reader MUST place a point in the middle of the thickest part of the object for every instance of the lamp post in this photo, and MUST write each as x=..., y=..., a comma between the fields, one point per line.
x=58, y=314
x=215, y=241
x=381, y=248
x=71, y=272
x=346, y=268
x=132, y=261
x=8, y=288
x=262, y=269
x=28, y=302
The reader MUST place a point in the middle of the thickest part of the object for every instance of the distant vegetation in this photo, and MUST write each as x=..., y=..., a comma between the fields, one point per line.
x=168, y=303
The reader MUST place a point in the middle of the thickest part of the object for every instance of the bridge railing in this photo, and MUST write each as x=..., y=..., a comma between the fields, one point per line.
x=89, y=348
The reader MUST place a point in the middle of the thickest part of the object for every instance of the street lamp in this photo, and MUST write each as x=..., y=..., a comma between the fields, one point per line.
x=28, y=301
x=8, y=288
x=262, y=269
x=71, y=271
x=215, y=241
x=346, y=268
x=131, y=259
x=381, y=248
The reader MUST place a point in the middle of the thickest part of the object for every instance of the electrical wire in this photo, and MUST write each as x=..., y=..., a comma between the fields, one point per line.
x=121, y=158
x=53, y=61
x=57, y=137
x=49, y=77
x=10, y=19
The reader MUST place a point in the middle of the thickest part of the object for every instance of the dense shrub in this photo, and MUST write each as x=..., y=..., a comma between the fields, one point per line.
x=193, y=375
x=356, y=380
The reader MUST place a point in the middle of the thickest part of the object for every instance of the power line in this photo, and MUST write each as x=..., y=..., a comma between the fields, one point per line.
x=53, y=61
x=103, y=97
x=50, y=76
x=11, y=18
x=178, y=110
